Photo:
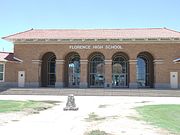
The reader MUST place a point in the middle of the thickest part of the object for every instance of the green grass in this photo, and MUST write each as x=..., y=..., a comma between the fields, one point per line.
x=164, y=116
x=12, y=106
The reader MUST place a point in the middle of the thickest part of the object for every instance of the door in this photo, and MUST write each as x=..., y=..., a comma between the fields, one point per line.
x=119, y=80
x=122, y=80
x=174, y=79
x=74, y=70
x=21, y=78
x=74, y=79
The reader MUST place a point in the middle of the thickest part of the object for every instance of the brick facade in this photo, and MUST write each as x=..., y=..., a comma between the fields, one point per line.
x=31, y=54
x=159, y=46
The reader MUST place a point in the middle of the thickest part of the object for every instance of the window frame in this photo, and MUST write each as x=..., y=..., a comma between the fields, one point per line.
x=3, y=72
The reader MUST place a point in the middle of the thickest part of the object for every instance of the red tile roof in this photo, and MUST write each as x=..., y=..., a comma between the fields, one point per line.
x=8, y=57
x=95, y=33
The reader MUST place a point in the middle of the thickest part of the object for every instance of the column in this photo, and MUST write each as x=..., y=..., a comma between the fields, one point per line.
x=159, y=72
x=59, y=74
x=108, y=73
x=36, y=74
x=132, y=74
x=84, y=74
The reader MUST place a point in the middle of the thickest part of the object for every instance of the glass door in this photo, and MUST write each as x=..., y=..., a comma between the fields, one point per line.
x=96, y=71
x=51, y=72
x=74, y=73
x=119, y=80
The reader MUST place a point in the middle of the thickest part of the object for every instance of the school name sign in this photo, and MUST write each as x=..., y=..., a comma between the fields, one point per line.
x=86, y=47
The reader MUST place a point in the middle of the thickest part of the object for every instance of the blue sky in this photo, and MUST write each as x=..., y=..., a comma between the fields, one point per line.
x=21, y=15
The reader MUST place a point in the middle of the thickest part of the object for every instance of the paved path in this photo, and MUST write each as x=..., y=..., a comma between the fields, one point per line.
x=93, y=92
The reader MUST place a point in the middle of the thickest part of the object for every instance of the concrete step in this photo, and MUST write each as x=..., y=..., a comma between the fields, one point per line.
x=92, y=92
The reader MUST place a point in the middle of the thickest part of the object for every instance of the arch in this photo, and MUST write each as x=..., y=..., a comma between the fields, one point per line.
x=145, y=70
x=96, y=72
x=72, y=70
x=96, y=53
x=48, y=70
x=121, y=54
x=120, y=70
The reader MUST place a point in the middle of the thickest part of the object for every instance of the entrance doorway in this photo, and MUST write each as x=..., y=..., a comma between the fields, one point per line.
x=21, y=78
x=119, y=80
x=96, y=70
x=73, y=70
x=48, y=70
x=120, y=70
x=174, y=80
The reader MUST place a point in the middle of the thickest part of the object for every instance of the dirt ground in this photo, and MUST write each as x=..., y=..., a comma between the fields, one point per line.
x=114, y=115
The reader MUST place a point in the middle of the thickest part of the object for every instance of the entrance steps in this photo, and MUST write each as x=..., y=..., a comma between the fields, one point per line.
x=92, y=92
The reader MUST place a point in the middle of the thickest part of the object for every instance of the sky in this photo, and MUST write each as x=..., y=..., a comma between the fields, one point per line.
x=21, y=15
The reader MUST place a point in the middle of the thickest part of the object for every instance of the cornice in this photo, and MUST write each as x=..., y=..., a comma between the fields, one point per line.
x=72, y=41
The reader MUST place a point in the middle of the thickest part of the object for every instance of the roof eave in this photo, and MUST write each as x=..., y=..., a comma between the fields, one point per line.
x=161, y=39
x=18, y=60
x=8, y=38
x=176, y=60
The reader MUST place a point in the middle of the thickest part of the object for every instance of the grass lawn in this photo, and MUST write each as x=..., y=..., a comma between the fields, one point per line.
x=164, y=116
x=12, y=106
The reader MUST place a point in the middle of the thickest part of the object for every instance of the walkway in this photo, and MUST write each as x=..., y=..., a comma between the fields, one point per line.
x=119, y=117
x=93, y=92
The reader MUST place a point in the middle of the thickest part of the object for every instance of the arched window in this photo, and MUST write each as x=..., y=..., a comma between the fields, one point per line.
x=96, y=70
x=48, y=70
x=120, y=70
x=73, y=70
x=145, y=70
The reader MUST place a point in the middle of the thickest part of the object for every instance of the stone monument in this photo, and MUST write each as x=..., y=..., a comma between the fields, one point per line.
x=70, y=105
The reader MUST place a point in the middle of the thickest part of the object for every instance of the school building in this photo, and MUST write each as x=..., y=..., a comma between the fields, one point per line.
x=92, y=58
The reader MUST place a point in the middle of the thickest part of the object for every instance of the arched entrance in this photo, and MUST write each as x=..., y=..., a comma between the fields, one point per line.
x=73, y=70
x=96, y=70
x=145, y=70
x=120, y=72
x=48, y=70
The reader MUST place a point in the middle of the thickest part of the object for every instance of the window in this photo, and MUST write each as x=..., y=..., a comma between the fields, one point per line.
x=145, y=70
x=2, y=72
x=142, y=72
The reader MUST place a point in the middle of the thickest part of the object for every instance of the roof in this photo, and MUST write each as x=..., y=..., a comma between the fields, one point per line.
x=8, y=57
x=94, y=33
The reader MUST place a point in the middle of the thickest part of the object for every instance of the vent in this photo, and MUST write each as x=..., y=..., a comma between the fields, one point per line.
x=114, y=39
x=176, y=38
x=139, y=39
x=29, y=40
x=165, y=39
x=126, y=39
x=53, y=40
x=152, y=39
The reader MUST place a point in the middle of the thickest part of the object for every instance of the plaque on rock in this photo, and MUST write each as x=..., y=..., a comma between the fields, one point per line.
x=71, y=105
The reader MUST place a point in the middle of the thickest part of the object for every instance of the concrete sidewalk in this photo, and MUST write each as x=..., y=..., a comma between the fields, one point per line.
x=93, y=92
